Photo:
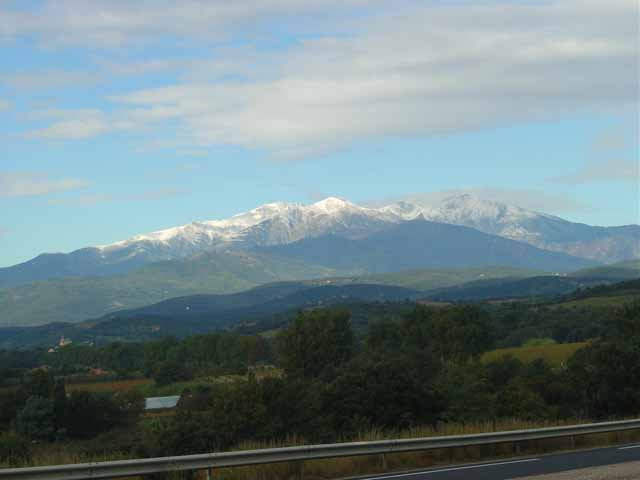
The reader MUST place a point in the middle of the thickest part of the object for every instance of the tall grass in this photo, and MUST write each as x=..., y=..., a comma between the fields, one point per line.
x=372, y=464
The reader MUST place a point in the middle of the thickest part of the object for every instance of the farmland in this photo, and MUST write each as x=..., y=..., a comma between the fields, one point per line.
x=553, y=354
x=110, y=385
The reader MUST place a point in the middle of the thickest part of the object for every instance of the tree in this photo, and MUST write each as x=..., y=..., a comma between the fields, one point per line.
x=157, y=352
x=519, y=401
x=59, y=403
x=467, y=393
x=36, y=420
x=40, y=383
x=606, y=374
x=170, y=371
x=89, y=414
x=453, y=334
x=316, y=343
x=388, y=393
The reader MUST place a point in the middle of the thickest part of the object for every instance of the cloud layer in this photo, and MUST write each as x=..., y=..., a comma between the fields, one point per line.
x=424, y=70
x=115, y=23
x=27, y=184
x=616, y=170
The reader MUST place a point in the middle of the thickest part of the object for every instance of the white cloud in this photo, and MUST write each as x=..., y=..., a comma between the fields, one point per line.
x=612, y=170
x=94, y=199
x=106, y=23
x=76, y=124
x=424, y=70
x=46, y=80
x=72, y=124
x=5, y=105
x=26, y=184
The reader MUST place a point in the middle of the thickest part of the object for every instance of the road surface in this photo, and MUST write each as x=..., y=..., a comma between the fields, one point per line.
x=535, y=466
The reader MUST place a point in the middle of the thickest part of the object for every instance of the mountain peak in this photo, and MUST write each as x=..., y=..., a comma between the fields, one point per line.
x=333, y=204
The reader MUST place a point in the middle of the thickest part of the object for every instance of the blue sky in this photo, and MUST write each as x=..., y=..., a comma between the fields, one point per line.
x=124, y=117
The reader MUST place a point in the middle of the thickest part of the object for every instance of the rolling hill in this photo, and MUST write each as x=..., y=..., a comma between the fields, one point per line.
x=619, y=280
x=77, y=298
x=195, y=314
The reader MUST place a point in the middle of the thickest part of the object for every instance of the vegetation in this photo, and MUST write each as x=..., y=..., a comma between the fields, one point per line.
x=553, y=354
x=430, y=279
x=426, y=370
x=75, y=299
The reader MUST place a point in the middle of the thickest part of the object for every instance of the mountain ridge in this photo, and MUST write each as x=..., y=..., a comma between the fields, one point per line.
x=281, y=223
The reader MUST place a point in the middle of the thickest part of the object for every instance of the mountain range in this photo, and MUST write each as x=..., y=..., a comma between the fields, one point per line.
x=291, y=242
x=277, y=224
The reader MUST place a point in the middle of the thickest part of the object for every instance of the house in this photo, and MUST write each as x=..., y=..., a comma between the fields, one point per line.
x=160, y=405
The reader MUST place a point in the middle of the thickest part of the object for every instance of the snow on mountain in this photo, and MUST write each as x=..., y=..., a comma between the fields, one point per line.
x=487, y=216
x=281, y=223
x=270, y=224
x=605, y=244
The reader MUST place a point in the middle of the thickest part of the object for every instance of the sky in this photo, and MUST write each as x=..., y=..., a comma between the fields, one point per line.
x=124, y=117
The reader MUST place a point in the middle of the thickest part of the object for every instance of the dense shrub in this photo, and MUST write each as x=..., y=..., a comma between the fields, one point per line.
x=14, y=448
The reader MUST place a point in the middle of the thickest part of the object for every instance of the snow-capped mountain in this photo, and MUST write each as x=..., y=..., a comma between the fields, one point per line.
x=270, y=224
x=283, y=223
x=603, y=244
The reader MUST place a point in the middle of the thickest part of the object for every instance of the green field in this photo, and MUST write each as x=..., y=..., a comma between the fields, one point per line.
x=599, y=302
x=554, y=354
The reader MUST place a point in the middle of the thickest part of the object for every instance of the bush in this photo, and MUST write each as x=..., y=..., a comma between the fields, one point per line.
x=36, y=420
x=89, y=414
x=14, y=448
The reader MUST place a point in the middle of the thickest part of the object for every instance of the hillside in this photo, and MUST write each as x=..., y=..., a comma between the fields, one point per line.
x=429, y=279
x=508, y=288
x=626, y=270
x=423, y=244
x=584, y=283
x=195, y=314
x=77, y=298
x=603, y=296
x=417, y=244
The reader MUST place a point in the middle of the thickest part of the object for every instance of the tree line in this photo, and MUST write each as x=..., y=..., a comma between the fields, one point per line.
x=423, y=369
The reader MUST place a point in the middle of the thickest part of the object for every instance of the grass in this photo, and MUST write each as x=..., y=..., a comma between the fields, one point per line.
x=553, y=354
x=367, y=465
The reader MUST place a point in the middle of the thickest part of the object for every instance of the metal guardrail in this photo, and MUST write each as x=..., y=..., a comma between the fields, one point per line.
x=208, y=462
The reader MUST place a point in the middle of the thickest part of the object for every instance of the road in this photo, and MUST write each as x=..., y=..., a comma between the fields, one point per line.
x=526, y=466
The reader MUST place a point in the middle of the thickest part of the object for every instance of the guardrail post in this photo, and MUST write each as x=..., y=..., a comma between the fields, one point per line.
x=300, y=470
x=209, y=474
x=384, y=462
